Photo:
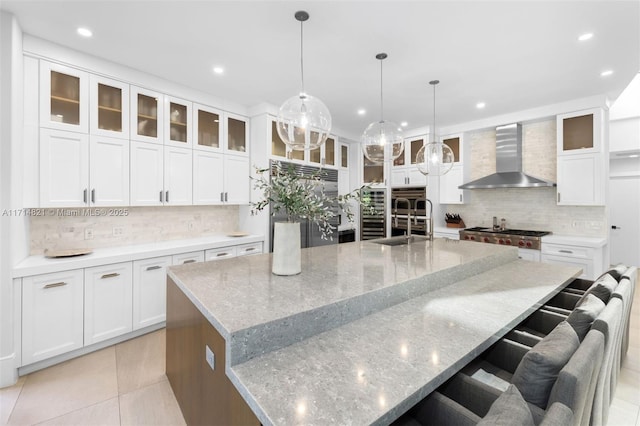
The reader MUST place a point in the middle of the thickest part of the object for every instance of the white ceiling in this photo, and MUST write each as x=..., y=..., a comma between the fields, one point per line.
x=512, y=55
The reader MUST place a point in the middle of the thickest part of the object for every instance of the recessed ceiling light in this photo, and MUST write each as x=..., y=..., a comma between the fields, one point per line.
x=606, y=73
x=634, y=156
x=480, y=105
x=404, y=124
x=84, y=32
x=362, y=111
x=585, y=36
x=218, y=70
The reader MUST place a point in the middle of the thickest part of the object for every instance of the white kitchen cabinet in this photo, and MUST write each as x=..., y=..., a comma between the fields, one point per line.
x=177, y=122
x=109, y=171
x=147, y=115
x=108, y=302
x=449, y=191
x=581, y=158
x=185, y=258
x=178, y=176
x=109, y=115
x=411, y=148
x=237, y=183
x=64, y=98
x=248, y=249
x=81, y=171
x=64, y=169
x=325, y=155
x=572, y=252
x=150, y=291
x=52, y=314
x=208, y=128
x=147, y=174
x=529, y=254
x=407, y=176
x=220, y=253
x=208, y=177
x=236, y=129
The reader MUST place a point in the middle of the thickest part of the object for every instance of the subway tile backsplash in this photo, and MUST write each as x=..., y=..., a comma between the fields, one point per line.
x=67, y=228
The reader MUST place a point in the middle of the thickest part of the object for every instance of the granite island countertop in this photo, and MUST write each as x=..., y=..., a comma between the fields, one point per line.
x=366, y=330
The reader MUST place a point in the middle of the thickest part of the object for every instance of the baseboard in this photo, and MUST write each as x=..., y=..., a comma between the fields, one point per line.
x=8, y=370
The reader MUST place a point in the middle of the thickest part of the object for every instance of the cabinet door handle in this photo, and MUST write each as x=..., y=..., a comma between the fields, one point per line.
x=111, y=275
x=566, y=251
x=250, y=249
x=188, y=261
x=222, y=254
x=151, y=268
x=84, y=196
x=460, y=197
x=160, y=196
x=558, y=197
x=226, y=197
x=93, y=195
x=221, y=197
x=166, y=197
x=52, y=285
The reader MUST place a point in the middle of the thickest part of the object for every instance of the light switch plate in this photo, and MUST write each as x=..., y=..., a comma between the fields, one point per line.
x=210, y=356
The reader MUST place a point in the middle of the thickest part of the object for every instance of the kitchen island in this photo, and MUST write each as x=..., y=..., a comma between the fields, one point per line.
x=361, y=335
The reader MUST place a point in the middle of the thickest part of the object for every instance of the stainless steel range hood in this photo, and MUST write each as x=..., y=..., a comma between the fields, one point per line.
x=508, y=164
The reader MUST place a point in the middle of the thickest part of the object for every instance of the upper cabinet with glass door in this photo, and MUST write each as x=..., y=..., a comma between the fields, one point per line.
x=146, y=115
x=411, y=148
x=455, y=143
x=207, y=128
x=109, y=107
x=344, y=156
x=325, y=155
x=579, y=132
x=177, y=119
x=237, y=132
x=279, y=148
x=64, y=98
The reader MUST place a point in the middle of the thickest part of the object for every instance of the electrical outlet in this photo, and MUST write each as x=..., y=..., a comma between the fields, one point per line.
x=118, y=231
x=210, y=356
x=88, y=234
x=191, y=225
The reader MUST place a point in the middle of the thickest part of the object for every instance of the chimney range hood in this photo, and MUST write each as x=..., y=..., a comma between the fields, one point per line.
x=508, y=164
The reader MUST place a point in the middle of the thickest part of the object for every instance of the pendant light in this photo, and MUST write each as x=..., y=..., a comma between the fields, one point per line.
x=382, y=140
x=435, y=158
x=304, y=122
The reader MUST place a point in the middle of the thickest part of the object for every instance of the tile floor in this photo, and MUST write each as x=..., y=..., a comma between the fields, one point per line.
x=125, y=384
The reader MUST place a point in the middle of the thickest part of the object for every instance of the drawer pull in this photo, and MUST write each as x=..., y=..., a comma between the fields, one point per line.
x=52, y=285
x=151, y=268
x=188, y=261
x=222, y=254
x=111, y=275
x=566, y=251
x=250, y=249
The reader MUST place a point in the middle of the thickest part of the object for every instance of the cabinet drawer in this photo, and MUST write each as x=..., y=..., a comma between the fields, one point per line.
x=149, y=291
x=220, y=253
x=586, y=265
x=252, y=248
x=191, y=257
x=568, y=251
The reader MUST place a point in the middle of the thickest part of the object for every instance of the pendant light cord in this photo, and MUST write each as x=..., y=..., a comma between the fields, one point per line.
x=381, y=101
x=434, y=113
x=301, y=59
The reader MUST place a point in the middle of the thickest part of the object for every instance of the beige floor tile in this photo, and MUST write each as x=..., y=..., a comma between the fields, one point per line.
x=153, y=405
x=628, y=388
x=105, y=413
x=67, y=387
x=622, y=413
x=632, y=359
x=8, y=398
x=141, y=361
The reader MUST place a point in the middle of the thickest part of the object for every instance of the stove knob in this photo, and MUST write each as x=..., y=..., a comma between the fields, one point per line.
x=472, y=238
x=485, y=239
x=508, y=242
x=529, y=244
x=466, y=237
x=500, y=241
x=521, y=243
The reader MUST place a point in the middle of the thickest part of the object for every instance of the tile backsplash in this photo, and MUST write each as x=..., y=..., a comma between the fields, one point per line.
x=67, y=228
x=526, y=208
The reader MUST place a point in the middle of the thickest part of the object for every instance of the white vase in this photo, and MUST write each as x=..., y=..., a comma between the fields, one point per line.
x=286, y=248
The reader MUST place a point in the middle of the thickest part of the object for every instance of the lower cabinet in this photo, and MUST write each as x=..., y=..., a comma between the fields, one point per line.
x=590, y=259
x=107, y=302
x=149, y=291
x=220, y=253
x=52, y=314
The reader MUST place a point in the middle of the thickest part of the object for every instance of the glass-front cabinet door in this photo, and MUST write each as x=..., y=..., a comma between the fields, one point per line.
x=207, y=124
x=237, y=130
x=579, y=132
x=146, y=115
x=64, y=98
x=177, y=129
x=344, y=156
x=109, y=107
x=330, y=152
x=453, y=142
x=278, y=147
x=372, y=172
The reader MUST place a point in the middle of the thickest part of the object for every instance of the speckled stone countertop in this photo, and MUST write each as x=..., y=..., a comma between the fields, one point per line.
x=366, y=330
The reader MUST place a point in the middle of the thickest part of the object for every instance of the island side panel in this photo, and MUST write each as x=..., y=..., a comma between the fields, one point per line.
x=205, y=396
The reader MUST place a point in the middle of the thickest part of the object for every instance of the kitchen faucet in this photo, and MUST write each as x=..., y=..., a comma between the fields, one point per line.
x=395, y=215
x=430, y=219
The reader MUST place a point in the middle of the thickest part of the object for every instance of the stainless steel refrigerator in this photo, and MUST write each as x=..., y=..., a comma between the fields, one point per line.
x=310, y=235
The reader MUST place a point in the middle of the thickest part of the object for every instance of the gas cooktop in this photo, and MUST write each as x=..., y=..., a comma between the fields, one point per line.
x=518, y=232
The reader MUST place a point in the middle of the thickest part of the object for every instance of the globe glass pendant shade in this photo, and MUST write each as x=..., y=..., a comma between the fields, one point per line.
x=435, y=158
x=304, y=122
x=382, y=141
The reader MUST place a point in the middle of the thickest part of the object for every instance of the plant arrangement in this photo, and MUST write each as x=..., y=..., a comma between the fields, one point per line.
x=302, y=196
